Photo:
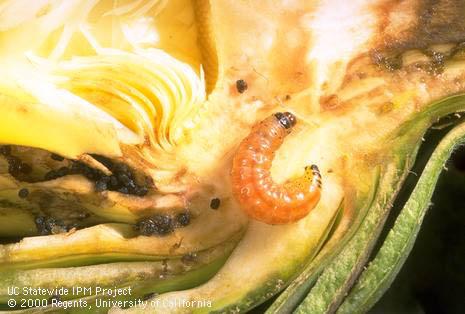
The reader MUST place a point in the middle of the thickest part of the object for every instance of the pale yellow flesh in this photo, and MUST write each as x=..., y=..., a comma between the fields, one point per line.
x=84, y=128
x=318, y=62
x=250, y=40
x=68, y=131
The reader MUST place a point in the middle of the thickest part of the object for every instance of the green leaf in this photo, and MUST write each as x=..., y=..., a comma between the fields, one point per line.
x=379, y=275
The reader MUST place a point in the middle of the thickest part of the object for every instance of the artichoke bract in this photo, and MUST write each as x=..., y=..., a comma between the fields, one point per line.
x=120, y=122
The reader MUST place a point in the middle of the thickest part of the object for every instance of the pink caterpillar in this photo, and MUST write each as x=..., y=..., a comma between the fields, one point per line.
x=258, y=195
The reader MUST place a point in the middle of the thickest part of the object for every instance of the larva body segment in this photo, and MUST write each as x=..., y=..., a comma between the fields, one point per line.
x=252, y=185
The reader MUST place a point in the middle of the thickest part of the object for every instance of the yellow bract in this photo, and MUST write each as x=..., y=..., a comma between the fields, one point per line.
x=148, y=91
x=59, y=122
x=102, y=97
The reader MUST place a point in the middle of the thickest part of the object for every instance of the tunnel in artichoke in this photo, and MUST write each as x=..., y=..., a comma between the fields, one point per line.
x=120, y=121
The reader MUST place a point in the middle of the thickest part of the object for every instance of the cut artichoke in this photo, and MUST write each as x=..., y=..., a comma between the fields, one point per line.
x=120, y=119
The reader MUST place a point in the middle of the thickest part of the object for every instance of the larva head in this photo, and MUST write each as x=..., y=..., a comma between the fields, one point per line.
x=286, y=119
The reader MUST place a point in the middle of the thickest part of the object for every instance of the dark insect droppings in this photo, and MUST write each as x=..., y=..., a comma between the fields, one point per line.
x=183, y=219
x=23, y=193
x=63, y=171
x=100, y=186
x=50, y=225
x=24, y=168
x=51, y=175
x=5, y=150
x=13, y=165
x=141, y=191
x=123, y=190
x=215, y=203
x=17, y=168
x=241, y=86
x=113, y=182
x=122, y=179
x=156, y=225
